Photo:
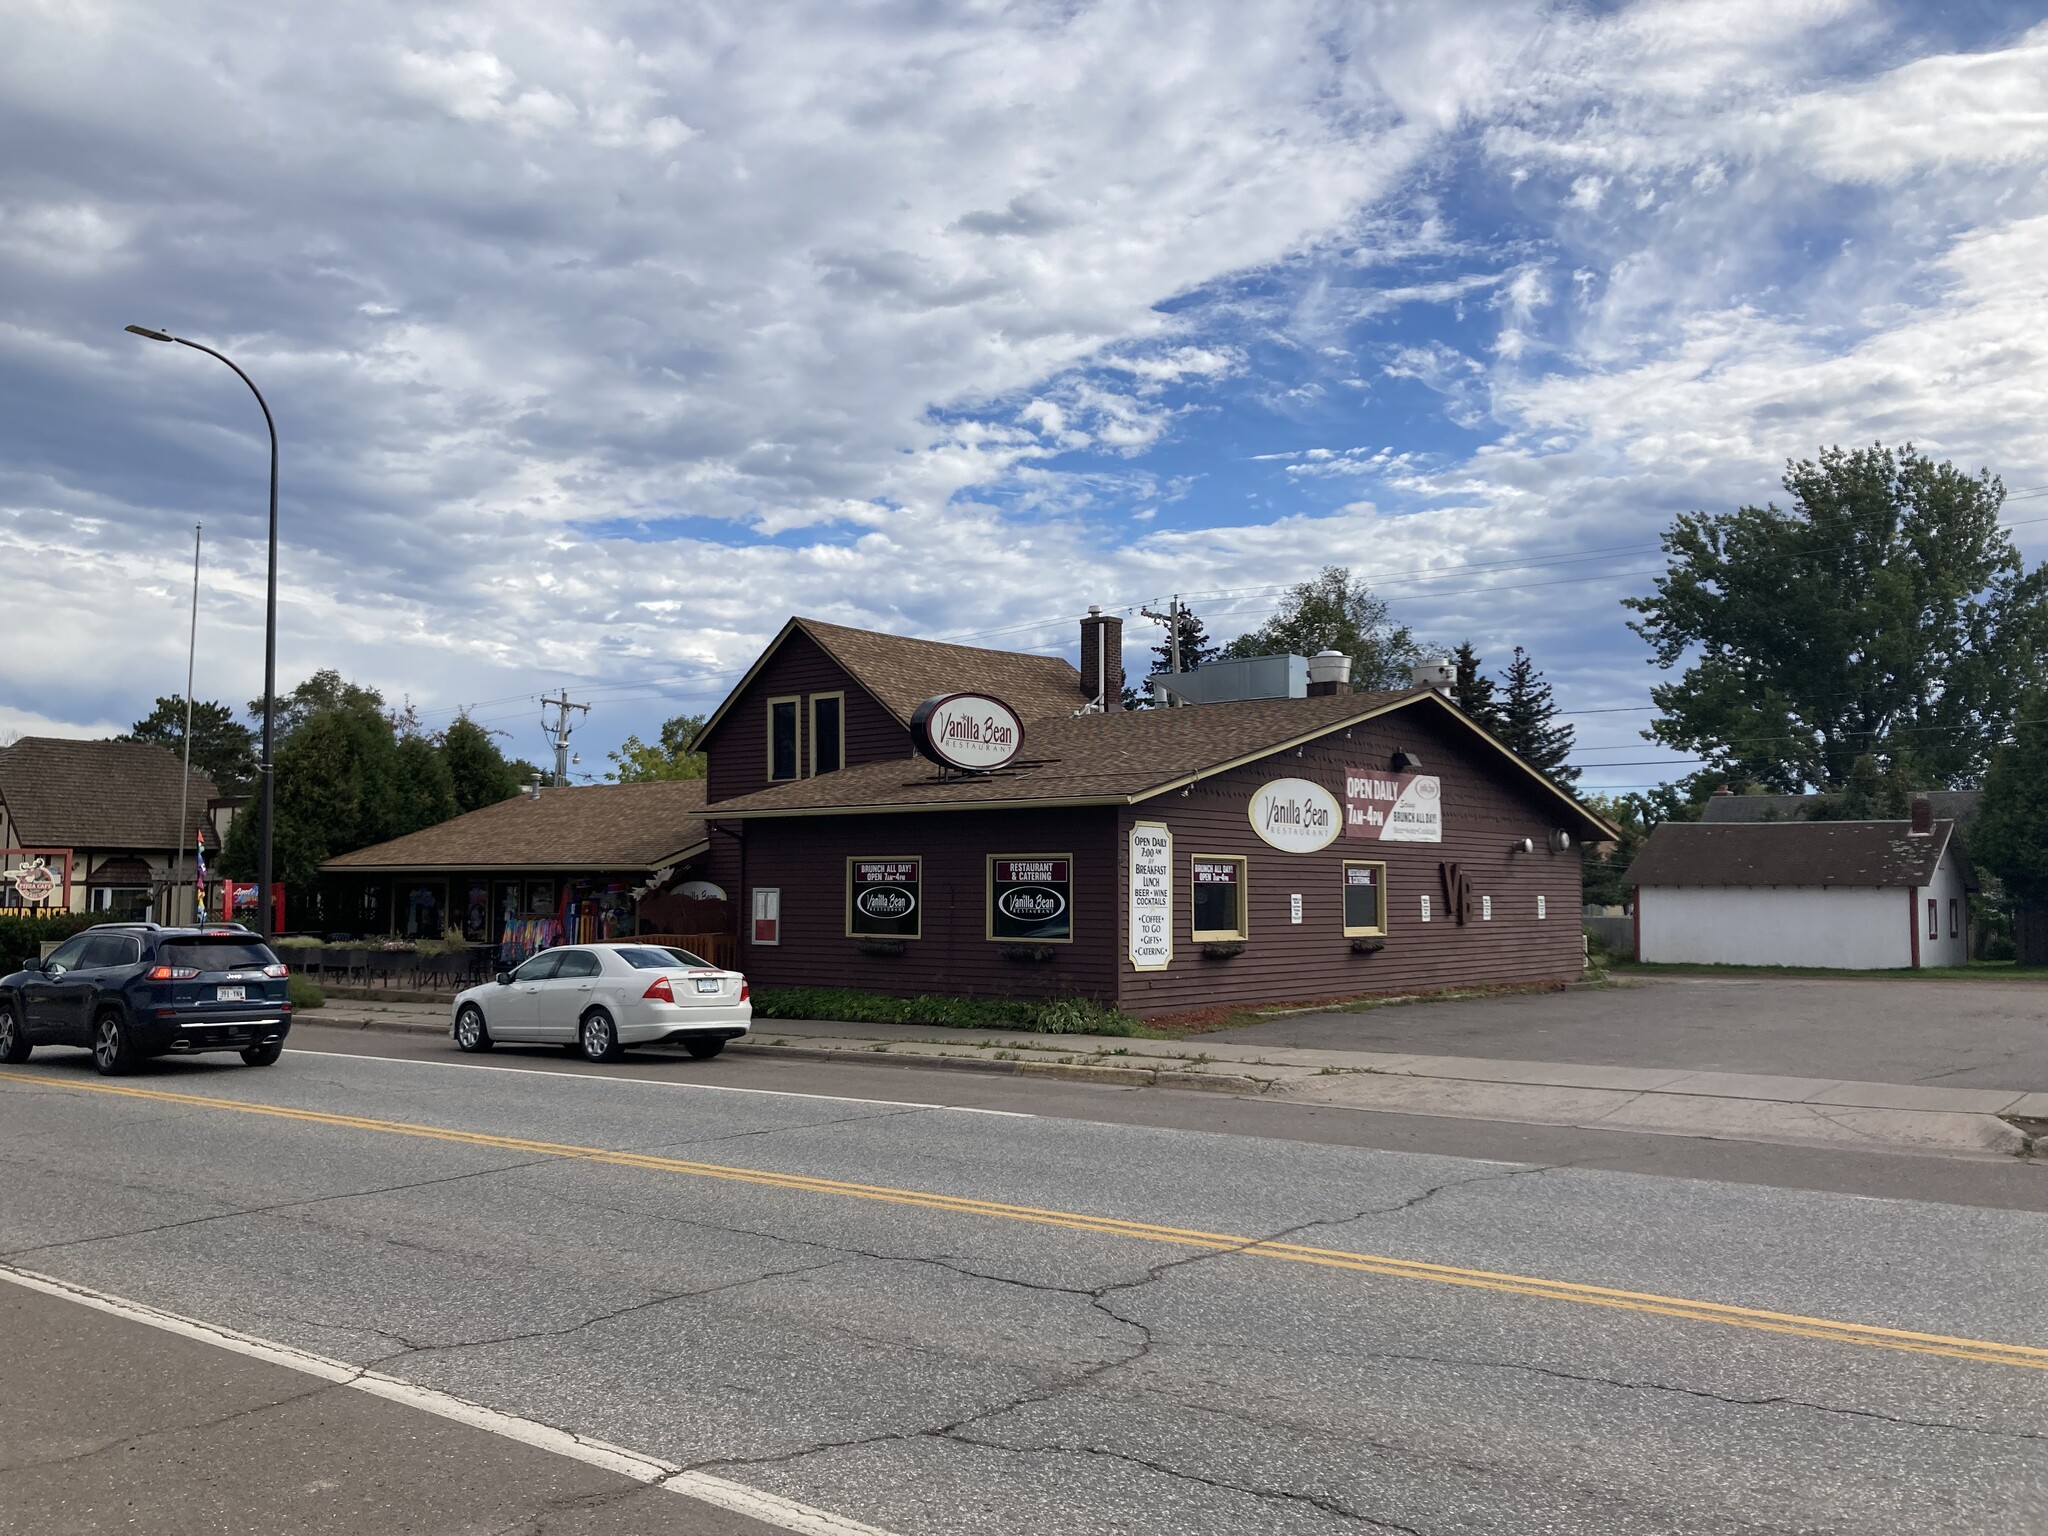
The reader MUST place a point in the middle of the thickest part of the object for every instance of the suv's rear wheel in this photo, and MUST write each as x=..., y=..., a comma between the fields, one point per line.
x=113, y=1052
x=14, y=1046
x=263, y=1055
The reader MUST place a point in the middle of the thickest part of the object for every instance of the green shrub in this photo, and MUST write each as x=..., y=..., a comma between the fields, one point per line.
x=305, y=994
x=22, y=937
x=1055, y=1016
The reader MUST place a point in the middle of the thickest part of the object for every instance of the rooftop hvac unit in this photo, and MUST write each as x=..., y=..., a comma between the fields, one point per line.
x=1254, y=677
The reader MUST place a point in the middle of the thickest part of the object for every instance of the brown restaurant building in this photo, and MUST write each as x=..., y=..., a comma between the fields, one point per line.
x=1261, y=850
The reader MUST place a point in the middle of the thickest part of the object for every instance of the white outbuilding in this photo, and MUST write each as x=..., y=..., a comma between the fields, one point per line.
x=1856, y=895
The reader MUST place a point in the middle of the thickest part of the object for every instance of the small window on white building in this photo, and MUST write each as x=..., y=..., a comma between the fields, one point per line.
x=1933, y=918
x=1955, y=918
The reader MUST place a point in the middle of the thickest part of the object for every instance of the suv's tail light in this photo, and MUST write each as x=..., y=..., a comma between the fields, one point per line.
x=277, y=970
x=745, y=991
x=173, y=972
x=660, y=990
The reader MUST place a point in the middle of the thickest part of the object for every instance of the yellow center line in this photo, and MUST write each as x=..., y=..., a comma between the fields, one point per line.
x=1834, y=1330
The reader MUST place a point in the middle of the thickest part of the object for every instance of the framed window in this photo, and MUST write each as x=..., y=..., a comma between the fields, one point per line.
x=1955, y=918
x=884, y=898
x=1219, y=892
x=828, y=732
x=782, y=743
x=1365, y=899
x=423, y=908
x=1933, y=918
x=767, y=914
x=1031, y=898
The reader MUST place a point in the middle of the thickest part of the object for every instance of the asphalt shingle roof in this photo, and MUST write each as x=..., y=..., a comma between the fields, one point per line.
x=902, y=672
x=1881, y=855
x=587, y=827
x=1957, y=805
x=100, y=794
x=1096, y=758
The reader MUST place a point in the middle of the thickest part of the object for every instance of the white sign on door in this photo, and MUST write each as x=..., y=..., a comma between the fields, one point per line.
x=1151, y=896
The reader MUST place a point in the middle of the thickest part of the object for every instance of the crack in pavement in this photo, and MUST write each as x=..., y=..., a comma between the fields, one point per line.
x=414, y=1348
x=270, y=1210
x=1726, y=1399
x=187, y=1427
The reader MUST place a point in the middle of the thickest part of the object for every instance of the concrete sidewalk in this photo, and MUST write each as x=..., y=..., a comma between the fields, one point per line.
x=1837, y=1112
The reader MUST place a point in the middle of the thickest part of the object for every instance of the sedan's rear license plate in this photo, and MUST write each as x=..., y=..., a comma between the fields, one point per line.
x=231, y=994
x=708, y=983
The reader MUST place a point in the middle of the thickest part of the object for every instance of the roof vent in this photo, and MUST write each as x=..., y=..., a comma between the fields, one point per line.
x=1923, y=816
x=1329, y=672
x=1433, y=672
x=1250, y=677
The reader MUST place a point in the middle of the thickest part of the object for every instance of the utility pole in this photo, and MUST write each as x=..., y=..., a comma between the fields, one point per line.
x=558, y=733
x=1171, y=619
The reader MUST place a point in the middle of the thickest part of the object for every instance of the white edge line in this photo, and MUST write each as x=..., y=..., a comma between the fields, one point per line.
x=655, y=1082
x=769, y=1508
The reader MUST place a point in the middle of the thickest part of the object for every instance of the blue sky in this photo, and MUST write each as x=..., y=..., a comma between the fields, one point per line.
x=603, y=338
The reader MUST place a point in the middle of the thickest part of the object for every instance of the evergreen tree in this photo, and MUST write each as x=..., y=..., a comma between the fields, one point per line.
x=1473, y=691
x=1527, y=722
x=1194, y=645
x=222, y=747
x=1336, y=611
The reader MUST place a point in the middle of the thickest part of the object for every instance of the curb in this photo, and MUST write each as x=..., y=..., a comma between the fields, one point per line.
x=1119, y=1077
x=380, y=1026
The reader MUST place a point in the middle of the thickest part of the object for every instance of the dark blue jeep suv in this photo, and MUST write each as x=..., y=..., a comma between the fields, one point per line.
x=130, y=990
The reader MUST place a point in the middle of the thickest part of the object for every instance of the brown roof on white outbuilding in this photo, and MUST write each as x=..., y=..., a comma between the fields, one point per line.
x=1879, y=855
x=62, y=793
x=612, y=827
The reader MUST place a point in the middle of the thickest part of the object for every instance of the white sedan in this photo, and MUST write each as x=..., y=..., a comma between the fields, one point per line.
x=601, y=998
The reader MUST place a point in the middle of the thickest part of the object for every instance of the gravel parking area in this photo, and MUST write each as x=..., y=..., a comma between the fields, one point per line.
x=1955, y=1034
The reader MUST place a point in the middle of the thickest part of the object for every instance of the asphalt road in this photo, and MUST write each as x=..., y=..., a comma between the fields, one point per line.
x=1948, y=1033
x=947, y=1320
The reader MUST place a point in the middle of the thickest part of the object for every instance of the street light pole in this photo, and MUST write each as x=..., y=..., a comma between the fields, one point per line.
x=266, y=773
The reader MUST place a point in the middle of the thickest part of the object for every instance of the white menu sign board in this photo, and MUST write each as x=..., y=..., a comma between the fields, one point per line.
x=1151, y=896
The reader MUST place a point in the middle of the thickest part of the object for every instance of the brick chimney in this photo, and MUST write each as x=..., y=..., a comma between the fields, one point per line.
x=1923, y=816
x=1102, y=658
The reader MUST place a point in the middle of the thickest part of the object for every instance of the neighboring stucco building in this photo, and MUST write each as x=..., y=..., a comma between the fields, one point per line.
x=102, y=818
x=1856, y=895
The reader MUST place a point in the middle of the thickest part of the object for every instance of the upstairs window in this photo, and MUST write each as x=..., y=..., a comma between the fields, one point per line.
x=828, y=732
x=782, y=744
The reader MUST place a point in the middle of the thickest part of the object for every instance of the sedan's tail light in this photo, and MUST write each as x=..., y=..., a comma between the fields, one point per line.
x=173, y=972
x=745, y=992
x=660, y=990
x=277, y=970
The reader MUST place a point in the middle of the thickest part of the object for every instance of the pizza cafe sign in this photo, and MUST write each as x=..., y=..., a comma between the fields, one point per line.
x=33, y=882
x=969, y=731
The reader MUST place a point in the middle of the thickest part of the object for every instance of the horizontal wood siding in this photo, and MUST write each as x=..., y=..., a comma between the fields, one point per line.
x=737, y=759
x=806, y=859
x=1487, y=806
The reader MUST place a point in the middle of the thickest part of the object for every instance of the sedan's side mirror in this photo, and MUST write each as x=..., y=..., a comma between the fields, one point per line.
x=32, y=963
x=504, y=978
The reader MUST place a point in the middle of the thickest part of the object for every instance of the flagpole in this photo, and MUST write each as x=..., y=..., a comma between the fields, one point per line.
x=185, y=784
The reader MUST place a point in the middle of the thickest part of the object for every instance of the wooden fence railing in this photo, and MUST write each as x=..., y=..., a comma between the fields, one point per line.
x=721, y=949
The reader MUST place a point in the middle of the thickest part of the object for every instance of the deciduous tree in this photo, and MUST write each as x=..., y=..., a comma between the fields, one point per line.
x=640, y=762
x=1336, y=611
x=1886, y=612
